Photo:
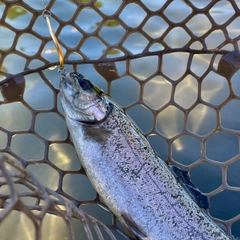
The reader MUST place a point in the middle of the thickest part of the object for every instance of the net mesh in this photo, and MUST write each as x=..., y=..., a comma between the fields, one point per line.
x=172, y=65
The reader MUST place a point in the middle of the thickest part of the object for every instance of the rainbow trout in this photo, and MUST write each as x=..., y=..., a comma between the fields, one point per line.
x=135, y=183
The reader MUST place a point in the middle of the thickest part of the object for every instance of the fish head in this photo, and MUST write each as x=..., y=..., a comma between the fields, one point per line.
x=81, y=100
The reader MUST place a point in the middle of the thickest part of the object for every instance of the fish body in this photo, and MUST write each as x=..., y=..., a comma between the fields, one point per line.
x=135, y=183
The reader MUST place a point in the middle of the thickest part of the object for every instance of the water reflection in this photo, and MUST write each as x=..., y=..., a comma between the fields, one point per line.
x=135, y=18
x=28, y=44
x=215, y=39
x=125, y=91
x=228, y=201
x=186, y=92
x=22, y=225
x=186, y=149
x=145, y=67
x=170, y=127
x=214, y=89
x=202, y=120
x=112, y=31
x=53, y=177
x=218, y=145
x=16, y=12
x=38, y=94
x=230, y=116
x=20, y=14
x=199, y=24
x=221, y=12
x=28, y=147
x=155, y=27
x=211, y=177
x=200, y=63
x=178, y=61
x=93, y=18
x=93, y=48
x=76, y=36
x=63, y=155
x=15, y=117
x=157, y=92
x=177, y=38
x=13, y=63
x=136, y=43
x=6, y=41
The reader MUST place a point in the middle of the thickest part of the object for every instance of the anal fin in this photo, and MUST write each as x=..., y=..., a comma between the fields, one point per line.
x=183, y=177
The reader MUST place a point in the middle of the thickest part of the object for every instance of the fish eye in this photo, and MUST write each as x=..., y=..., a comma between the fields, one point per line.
x=77, y=76
x=85, y=84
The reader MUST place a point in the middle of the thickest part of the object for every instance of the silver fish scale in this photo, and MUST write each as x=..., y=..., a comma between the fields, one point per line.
x=135, y=182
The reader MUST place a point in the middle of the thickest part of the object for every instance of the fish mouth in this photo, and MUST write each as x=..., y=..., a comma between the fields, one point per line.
x=66, y=81
x=83, y=98
x=68, y=78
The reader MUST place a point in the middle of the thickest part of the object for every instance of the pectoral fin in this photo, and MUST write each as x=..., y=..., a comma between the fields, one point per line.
x=96, y=133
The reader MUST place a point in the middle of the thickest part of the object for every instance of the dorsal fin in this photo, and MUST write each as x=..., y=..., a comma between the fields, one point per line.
x=183, y=177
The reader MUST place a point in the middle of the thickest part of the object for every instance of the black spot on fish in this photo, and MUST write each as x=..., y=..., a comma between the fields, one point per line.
x=86, y=84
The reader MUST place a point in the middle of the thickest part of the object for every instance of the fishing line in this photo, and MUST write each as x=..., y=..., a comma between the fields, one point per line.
x=44, y=4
